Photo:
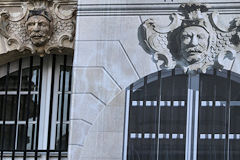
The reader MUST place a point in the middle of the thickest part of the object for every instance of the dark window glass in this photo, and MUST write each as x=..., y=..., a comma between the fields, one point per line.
x=62, y=130
x=22, y=128
x=68, y=75
x=157, y=117
x=234, y=138
x=8, y=132
x=17, y=109
x=212, y=116
x=64, y=138
x=34, y=80
x=11, y=107
x=24, y=112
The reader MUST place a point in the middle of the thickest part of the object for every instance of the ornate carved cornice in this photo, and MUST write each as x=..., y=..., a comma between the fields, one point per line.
x=194, y=41
x=41, y=27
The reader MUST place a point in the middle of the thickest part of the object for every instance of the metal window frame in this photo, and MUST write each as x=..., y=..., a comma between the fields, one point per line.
x=45, y=102
x=193, y=103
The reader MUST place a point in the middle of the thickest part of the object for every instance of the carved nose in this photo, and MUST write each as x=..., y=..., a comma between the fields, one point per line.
x=194, y=41
x=36, y=27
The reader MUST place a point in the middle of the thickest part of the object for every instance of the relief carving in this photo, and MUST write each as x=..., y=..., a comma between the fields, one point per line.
x=40, y=28
x=194, y=41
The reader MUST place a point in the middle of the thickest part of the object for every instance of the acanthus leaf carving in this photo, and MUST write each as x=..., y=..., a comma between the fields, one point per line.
x=157, y=41
x=39, y=28
x=4, y=15
x=197, y=40
x=217, y=23
x=64, y=14
x=16, y=17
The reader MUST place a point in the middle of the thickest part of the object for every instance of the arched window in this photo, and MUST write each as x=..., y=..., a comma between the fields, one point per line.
x=174, y=116
x=34, y=118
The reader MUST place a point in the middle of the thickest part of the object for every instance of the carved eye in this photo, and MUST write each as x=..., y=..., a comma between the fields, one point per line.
x=201, y=36
x=185, y=37
x=31, y=24
x=42, y=24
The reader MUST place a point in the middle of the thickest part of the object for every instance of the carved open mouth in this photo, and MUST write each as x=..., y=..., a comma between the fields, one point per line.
x=37, y=37
x=193, y=51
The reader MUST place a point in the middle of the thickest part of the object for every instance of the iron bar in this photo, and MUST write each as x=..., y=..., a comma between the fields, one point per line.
x=159, y=112
x=130, y=110
x=213, y=109
x=171, y=113
x=38, y=108
x=4, y=110
x=17, y=105
x=51, y=107
x=69, y=102
x=35, y=107
x=28, y=108
x=62, y=106
x=227, y=115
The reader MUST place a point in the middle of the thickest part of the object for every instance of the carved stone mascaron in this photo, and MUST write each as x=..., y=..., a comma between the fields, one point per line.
x=194, y=41
x=41, y=27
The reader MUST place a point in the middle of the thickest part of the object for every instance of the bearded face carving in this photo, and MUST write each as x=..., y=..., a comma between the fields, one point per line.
x=38, y=29
x=41, y=27
x=194, y=42
x=190, y=42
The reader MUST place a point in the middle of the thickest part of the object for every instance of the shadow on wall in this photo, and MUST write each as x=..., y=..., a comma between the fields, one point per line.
x=141, y=38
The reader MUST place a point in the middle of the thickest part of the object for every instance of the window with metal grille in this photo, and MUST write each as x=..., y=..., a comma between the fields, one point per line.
x=34, y=118
x=174, y=116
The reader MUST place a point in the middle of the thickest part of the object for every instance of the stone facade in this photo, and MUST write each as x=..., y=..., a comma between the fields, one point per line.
x=23, y=34
x=115, y=44
x=119, y=42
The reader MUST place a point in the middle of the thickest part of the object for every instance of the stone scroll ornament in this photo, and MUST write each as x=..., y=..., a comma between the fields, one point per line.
x=194, y=41
x=42, y=26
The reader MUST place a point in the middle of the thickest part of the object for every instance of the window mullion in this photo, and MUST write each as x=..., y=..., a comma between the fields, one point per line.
x=39, y=107
x=4, y=111
x=128, y=102
x=45, y=101
x=18, y=101
x=227, y=116
x=55, y=102
x=28, y=109
x=159, y=112
x=51, y=106
x=192, y=117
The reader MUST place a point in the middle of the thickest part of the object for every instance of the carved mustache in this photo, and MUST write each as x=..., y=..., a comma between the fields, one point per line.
x=194, y=49
x=38, y=34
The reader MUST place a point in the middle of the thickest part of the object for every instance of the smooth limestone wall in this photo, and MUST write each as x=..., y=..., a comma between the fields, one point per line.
x=108, y=58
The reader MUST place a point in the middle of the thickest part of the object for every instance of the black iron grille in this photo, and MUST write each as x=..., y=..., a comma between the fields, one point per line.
x=162, y=108
x=22, y=110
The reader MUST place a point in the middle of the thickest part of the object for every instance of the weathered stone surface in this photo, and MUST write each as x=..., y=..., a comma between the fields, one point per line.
x=85, y=107
x=110, y=145
x=194, y=41
x=95, y=81
x=101, y=40
x=121, y=29
x=109, y=55
x=119, y=100
x=39, y=27
x=90, y=147
x=78, y=136
x=74, y=151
